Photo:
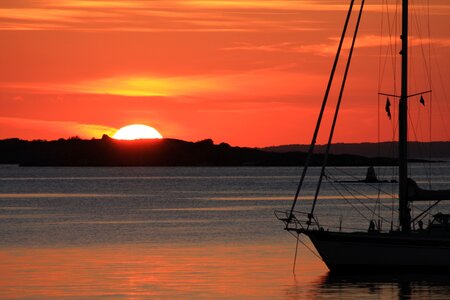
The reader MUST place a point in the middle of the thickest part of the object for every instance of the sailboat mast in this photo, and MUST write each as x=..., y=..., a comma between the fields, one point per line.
x=405, y=217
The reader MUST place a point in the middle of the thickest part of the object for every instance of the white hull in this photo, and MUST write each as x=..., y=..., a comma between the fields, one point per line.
x=381, y=251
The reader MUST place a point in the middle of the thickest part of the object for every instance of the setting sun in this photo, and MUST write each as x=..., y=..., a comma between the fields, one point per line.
x=137, y=131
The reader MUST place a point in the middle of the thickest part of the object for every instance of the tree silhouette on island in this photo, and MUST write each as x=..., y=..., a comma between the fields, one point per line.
x=159, y=152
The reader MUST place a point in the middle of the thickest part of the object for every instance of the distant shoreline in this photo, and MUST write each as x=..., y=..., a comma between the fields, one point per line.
x=438, y=151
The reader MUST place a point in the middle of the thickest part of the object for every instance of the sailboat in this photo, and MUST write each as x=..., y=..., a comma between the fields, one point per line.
x=404, y=248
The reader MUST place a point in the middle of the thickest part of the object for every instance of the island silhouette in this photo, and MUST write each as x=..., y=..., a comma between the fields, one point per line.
x=160, y=152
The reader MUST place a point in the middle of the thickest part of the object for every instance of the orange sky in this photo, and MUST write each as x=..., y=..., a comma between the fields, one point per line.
x=249, y=73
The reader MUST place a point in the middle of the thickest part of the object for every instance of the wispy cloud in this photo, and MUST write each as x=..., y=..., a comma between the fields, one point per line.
x=268, y=4
x=325, y=49
x=278, y=47
x=172, y=15
x=366, y=41
x=268, y=82
x=55, y=129
x=315, y=49
x=167, y=15
x=133, y=86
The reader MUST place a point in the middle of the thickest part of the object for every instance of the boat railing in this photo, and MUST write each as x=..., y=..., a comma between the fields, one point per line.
x=293, y=223
x=299, y=222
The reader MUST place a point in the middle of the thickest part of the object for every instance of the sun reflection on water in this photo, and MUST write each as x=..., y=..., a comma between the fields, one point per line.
x=213, y=271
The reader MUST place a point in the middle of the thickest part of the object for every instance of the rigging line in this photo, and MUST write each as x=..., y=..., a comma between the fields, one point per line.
x=322, y=109
x=379, y=203
x=379, y=85
x=362, y=203
x=306, y=246
x=394, y=25
x=421, y=211
x=385, y=173
x=416, y=19
x=367, y=184
x=394, y=54
x=390, y=49
x=378, y=129
x=383, y=66
x=420, y=146
x=394, y=129
x=380, y=50
x=428, y=76
x=443, y=87
x=418, y=208
x=431, y=96
x=378, y=140
x=373, y=211
x=351, y=204
x=426, y=212
x=336, y=112
x=418, y=126
x=394, y=67
x=349, y=189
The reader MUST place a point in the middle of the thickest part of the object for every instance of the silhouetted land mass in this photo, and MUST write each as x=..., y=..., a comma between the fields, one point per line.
x=164, y=152
x=417, y=150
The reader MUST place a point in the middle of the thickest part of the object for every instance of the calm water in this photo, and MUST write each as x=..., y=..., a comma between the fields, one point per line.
x=185, y=233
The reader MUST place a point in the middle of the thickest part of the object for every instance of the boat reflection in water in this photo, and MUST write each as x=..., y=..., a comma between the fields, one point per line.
x=385, y=286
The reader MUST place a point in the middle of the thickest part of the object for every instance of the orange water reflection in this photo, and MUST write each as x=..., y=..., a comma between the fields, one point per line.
x=128, y=271
x=207, y=271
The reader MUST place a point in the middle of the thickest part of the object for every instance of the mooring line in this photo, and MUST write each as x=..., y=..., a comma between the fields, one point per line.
x=296, y=250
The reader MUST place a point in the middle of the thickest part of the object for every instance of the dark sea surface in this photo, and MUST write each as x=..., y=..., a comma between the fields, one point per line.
x=190, y=233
